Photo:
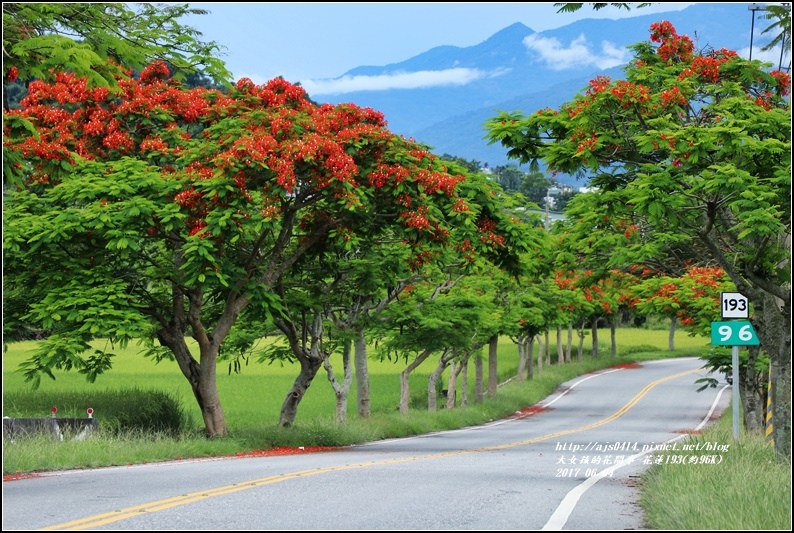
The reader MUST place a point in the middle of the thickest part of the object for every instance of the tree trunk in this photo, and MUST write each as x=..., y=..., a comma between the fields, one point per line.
x=751, y=388
x=772, y=318
x=341, y=390
x=478, y=379
x=569, y=343
x=432, y=394
x=671, y=335
x=306, y=346
x=493, y=377
x=547, y=348
x=594, y=331
x=434, y=376
x=522, y=360
x=580, y=348
x=202, y=378
x=289, y=409
x=523, y=356
x=613, y=337
x=362, y=376
x=560, y=349
x=452, y=383
x=775, y=337
x=464, y=382
x=781, y=406
x=405, y=389
x=540, y=355
x=531, y=357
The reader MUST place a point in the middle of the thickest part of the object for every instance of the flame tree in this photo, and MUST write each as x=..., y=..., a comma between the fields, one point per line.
x=164, y=214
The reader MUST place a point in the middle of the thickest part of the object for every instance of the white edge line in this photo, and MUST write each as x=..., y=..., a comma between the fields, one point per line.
x=569, y=389
x=560, y=516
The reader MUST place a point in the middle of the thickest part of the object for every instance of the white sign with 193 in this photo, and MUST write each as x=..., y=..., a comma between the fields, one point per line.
x=734, y=305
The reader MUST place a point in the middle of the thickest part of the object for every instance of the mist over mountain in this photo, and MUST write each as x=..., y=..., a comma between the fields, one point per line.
x=443, y=96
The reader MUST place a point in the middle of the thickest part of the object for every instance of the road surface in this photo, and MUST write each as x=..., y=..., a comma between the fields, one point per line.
x=570, y=462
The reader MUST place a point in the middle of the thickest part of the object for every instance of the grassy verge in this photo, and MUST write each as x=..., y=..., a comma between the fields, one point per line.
x=748, y=490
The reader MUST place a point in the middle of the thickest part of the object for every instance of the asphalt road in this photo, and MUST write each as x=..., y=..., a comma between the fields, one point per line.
x=571, y=462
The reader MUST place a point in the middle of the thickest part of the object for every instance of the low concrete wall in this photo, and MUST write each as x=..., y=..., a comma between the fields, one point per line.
x=59, y=428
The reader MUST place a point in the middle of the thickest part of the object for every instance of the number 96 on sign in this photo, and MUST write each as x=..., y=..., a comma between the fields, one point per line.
x=739, y=333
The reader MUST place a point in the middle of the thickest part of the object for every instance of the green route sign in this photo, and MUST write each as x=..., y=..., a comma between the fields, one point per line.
x=738, y=333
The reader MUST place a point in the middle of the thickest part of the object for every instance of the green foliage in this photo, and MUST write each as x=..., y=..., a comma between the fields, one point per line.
x=458, y=315
x=101, y=40
x=570, y=7
x=470, y=165
x=156, y=411
x=511, y=179
x=719, y=359
x=780, y=15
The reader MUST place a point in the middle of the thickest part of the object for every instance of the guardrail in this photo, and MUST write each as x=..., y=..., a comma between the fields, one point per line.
x=60, y=428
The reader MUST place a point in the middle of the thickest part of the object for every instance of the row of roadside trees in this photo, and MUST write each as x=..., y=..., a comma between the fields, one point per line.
x=691, y=156
x=139, y=209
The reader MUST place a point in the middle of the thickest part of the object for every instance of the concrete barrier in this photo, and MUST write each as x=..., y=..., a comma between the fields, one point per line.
x=59, y=428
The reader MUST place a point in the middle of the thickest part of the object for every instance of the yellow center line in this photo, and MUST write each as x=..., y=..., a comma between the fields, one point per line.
x=107, y=518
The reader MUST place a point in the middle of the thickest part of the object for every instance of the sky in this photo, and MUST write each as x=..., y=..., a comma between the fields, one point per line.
x=315, y=42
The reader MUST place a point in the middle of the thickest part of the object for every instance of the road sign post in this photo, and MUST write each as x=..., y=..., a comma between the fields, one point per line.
x=734, y=334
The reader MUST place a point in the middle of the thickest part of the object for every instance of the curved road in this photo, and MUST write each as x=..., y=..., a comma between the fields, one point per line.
x=570, y=462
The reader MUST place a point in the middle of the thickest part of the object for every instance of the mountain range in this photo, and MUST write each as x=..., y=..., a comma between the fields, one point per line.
x=520, y=69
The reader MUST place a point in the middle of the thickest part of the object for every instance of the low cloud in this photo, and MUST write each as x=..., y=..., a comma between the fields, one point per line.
x=398, y=80
x=578, y=54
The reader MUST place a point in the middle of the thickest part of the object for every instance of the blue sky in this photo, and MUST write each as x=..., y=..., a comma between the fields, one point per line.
x=314, y=42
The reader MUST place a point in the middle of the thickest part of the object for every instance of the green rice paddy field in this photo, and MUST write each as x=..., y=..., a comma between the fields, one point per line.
x=254, y=396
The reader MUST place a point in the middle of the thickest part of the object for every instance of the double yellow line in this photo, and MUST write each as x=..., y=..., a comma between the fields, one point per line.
x=160, y=505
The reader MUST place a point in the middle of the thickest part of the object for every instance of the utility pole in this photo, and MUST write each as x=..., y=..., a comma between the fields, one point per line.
x=753, y=8
x=547, y=209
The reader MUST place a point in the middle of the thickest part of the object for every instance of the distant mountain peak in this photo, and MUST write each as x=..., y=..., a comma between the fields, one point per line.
x=456, y=89
x=514, y=31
